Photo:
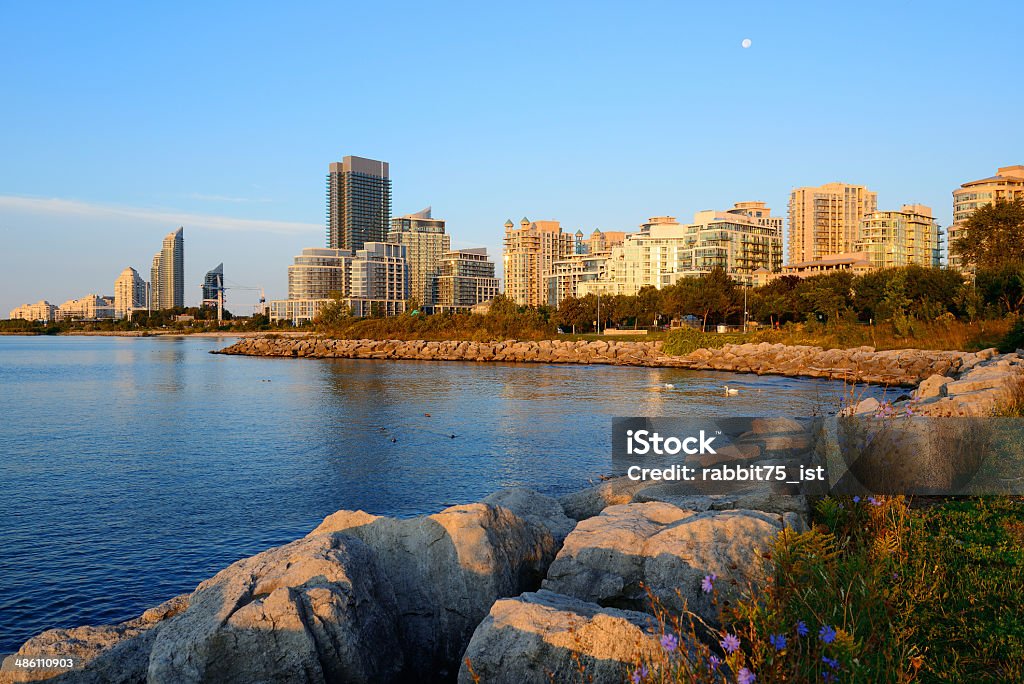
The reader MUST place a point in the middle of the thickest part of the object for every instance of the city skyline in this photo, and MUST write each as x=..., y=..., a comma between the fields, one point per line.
x=241, y=144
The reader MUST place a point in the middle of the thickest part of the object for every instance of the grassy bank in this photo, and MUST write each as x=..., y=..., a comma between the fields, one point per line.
x=878, y=591
x=942, y=334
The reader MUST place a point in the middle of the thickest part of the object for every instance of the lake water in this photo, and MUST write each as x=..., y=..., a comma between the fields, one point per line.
x=133, y=468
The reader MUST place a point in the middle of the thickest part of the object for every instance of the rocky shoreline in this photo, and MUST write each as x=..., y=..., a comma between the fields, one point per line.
x=902, y=367
x=519, y=587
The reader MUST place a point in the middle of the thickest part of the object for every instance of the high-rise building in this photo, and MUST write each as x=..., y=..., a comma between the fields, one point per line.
x=1007, y=185
x=467, y=279
x=320, y=273
x=907, y=237
x=425, y=245
x=826, y=219
x=167, y=276
x=213, y=286
x=42, y=311
x=371, y=282
x=358, y=203
x=130, y=293
x=530, y=251
x=380, y=280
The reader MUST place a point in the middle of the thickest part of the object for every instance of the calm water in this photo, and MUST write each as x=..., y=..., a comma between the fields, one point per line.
x=133, y=468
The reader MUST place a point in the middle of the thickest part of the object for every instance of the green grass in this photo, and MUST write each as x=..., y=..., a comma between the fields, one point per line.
x=932, y=592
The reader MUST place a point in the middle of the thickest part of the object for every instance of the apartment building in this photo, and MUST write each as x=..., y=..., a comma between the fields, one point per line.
x=826, y=219
x=467, y=279
x=529, y=254
x=1007, y=185
x=426, y=244
x=910, y=236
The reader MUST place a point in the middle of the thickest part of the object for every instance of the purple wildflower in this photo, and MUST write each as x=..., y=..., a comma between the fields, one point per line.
x=856, y=499
x=827, y=634
x=707, y=585
x=831, y=662
x=669, y=642
x=731, y=643
x=778, y=641
x=910, y=411
x=801, y=629
x=713, y=662
x=873, y=501
x=745, y=676
x=639, y=674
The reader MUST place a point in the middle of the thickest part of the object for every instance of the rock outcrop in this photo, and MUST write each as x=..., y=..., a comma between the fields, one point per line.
x=543, y=637
x=615, y=558
x=447, y=569
x=320, y=609
x=108, y=654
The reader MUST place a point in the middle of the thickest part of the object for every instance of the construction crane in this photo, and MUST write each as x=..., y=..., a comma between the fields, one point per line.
x=219, y=301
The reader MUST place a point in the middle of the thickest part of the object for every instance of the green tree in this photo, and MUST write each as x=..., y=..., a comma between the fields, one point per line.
x=993, y=236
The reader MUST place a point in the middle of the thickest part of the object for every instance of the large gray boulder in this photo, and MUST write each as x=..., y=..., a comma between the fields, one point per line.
x=535, y=508
x=447, y=570
x=544, y=637
x=109, y=654
x=615, y=558
x=316, y=610
x=589, y=502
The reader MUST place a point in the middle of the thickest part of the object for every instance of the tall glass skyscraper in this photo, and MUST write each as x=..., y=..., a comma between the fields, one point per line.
x=358, y=203
x=213, y=283
x=167, y=276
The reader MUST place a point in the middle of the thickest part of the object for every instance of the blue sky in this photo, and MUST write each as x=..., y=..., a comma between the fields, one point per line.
x=122, y=120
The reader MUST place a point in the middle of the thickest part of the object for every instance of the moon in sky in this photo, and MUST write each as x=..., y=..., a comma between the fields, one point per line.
x=746, y=43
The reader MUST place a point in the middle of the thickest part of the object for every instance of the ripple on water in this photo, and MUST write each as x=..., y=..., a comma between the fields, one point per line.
x=134, y=468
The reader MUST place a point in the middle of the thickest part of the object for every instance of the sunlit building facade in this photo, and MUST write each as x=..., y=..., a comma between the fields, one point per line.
x=42, y=311
x=167, y=276
x=466, y=280
x=358, y=202
x=530, y=252
x=826, y=219
x=88, y=308
x=1007, y=185
x=426, y=244
x=131, y=293
x=907, y=237
x=740, y=240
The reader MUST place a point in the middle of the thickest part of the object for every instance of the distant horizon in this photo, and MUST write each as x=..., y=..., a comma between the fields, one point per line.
x=596, y=115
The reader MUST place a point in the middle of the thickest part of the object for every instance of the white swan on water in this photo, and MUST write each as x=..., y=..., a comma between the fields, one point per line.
x=669, y=385
x=730, y=392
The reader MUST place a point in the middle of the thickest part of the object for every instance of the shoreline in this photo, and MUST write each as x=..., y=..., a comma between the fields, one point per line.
x=897, y=368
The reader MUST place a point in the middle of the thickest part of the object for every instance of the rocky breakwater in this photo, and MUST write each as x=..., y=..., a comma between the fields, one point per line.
x=542, y=351
x=863, y=364
x=519, y=587
x=905, y=367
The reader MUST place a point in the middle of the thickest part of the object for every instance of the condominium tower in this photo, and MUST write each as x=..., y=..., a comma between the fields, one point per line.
x=370, y=281
x=1007, y=185
x=907, y=237
x=530, y=251
x=826, y=219
x=425, y=244
x=131, y=293
x=358, y=202
x=167, y=275
x=467, y=279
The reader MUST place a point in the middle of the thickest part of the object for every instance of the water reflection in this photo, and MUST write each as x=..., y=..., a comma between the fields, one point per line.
x=133, y=468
